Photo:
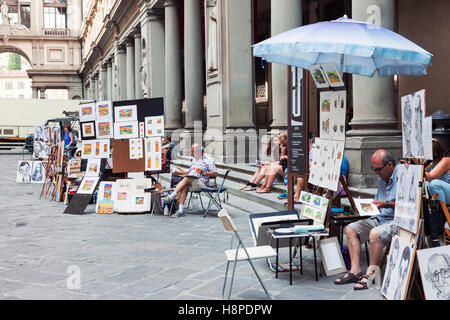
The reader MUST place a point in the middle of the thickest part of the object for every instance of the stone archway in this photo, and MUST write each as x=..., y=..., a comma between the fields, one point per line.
x=9, y=48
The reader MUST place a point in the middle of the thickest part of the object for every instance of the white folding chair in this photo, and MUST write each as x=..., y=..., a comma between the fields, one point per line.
x=243, y=254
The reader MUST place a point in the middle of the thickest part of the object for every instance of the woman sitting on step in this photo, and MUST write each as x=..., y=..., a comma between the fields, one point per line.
x=276, y=168
x=263, y=166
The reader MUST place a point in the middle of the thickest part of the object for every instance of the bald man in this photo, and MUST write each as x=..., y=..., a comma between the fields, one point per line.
x=202, y=169
x=377, y=229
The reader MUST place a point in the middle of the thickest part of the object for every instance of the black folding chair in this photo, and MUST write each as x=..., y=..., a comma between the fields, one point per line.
x=214, y=193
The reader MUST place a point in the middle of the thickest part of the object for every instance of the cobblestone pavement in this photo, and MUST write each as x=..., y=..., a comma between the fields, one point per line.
x=133, y=256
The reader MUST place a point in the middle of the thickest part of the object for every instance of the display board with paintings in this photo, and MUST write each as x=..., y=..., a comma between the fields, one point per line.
x=408, y=197
x=314, y=207
x=332, y=115
x=398, y=269
x=416, y=128
x=130, y=197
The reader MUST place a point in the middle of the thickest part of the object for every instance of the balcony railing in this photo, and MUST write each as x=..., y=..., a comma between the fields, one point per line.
x=57, y=32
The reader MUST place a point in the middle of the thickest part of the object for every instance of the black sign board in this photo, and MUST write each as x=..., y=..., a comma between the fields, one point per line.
x=145, y=107
x=297, y=124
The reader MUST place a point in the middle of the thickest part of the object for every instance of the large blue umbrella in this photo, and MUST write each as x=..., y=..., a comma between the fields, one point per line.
x=355, y=47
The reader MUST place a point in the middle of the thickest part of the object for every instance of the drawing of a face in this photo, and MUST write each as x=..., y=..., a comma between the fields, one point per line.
x=25, y=171
x=37, y=173
x=439, y=272
x=404, y=264
x=38, y=133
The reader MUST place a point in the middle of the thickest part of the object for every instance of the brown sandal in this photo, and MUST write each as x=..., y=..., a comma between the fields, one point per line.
x=365, y=284
x=348, y=278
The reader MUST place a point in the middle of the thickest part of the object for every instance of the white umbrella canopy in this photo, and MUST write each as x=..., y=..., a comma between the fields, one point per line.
x=355, y=47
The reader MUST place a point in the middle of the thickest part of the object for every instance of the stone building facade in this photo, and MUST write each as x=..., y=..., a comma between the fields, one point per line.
x=46, y=33
x=197, y=54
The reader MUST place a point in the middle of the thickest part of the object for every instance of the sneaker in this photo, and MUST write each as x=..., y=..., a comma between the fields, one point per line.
x=177, y=214
x=283, y=196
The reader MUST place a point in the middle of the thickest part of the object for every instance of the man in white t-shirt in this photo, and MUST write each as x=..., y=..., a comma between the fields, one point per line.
x=197, y=177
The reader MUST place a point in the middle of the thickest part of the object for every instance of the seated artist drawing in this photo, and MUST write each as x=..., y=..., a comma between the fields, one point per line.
x=196, y=178
x=377, y=230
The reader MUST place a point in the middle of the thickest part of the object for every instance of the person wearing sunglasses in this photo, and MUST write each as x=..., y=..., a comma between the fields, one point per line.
x=377, y=229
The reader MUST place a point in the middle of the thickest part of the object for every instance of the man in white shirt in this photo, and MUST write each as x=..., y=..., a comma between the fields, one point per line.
x=197, y=177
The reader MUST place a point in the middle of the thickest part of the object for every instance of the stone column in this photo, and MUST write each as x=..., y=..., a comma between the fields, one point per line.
x=122, y=73
x=374, y=121
x=193, y=63
x=153, y=53
x=109, y=77
x=130, y=69
x=103, y=95
x=172, y=104
x=285, y=15
x=42, y=93
x=96, y=95
x=91, y=89
x=35, y=92
x=137, y=64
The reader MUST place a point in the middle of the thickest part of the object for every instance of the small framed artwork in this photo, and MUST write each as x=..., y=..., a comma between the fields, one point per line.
x=140, y=202
x=87, y=112
x=318, y=76
x=107, y=191
x=93, y=167
x=103, y=110
x=88, y=185
x=126, y=130
x=104, y=207
x=366, y=207
x=104, y=148
x=104, y=129
x=333, y=76
x=332, y=260
x=88, y=130
x=87, y=150
x=154, y=126
x=125, y=113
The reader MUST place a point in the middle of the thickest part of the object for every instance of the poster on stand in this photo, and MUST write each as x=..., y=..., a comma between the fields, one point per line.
x=24, y=171
x=408, y=197
x=413, y=120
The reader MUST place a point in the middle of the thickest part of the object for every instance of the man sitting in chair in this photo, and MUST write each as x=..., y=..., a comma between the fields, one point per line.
x=377, y=229
x=202, y=169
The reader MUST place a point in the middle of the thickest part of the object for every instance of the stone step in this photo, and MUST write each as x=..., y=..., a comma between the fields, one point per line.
x=238, y=173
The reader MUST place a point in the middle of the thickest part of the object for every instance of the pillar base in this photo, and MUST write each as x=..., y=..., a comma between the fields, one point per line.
x=359, y=151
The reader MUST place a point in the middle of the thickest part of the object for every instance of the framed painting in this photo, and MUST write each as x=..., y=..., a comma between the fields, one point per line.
x=125, y=113
x=126, y=130
x=88, y=130
x=88, y=185
x=154, y=126
x=331, y=254
x=333, y=76
x=93, y=168
x=318, y=76
x=104, y=129
x=107, y=191
x=103, y=110
x=87, y=112
x=87, y=150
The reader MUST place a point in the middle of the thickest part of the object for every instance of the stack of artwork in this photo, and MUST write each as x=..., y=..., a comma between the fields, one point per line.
x=326, y=163
x=130, y=197
x=398, y=269
x=314, y=207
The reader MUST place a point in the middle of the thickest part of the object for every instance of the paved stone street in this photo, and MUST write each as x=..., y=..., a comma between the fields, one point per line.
x=133, y=256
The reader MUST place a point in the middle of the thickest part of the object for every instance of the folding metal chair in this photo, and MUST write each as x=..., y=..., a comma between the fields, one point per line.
x=248, y=254
x=214, y=193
